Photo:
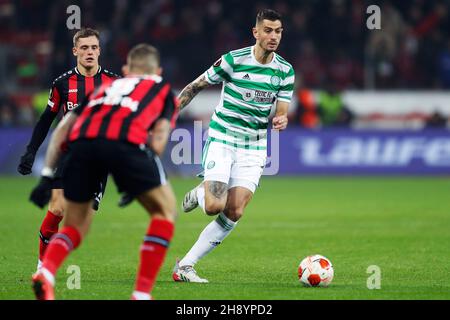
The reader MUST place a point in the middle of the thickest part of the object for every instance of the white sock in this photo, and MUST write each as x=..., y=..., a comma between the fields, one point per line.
x=39, y=265
x=48, y=275
x=138, y=295
x=213, y=235
x=201, y=197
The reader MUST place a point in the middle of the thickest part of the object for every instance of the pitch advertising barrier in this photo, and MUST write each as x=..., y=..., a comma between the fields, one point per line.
x=293, y=152
x=365, y=152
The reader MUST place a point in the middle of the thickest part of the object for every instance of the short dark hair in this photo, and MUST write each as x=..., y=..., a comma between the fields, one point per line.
x=268, y=14
x=143, y=57
x=85, y=33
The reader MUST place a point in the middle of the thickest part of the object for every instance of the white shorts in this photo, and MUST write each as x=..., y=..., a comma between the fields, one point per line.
x=237, y=167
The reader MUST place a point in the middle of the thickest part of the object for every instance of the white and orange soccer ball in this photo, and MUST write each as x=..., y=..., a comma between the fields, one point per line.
x=315, y=271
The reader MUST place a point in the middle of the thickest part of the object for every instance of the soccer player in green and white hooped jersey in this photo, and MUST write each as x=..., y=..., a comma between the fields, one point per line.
x=253, y=78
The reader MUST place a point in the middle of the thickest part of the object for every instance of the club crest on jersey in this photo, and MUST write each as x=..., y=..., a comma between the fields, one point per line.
x=275, y=80
x=211, y=164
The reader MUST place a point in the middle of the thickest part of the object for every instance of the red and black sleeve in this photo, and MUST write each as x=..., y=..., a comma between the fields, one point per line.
x=45, y=121
x=170, y=109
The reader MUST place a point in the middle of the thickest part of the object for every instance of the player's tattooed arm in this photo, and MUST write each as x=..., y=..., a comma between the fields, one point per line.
x=191, y=90
x=217, y=189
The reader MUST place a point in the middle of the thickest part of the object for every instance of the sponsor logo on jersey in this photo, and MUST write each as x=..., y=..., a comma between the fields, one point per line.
x=263, y=96
x=258, y=96
x=248, y=95
x=211, y=164
x=71, y=105
x=246, y=77
x=73, y=90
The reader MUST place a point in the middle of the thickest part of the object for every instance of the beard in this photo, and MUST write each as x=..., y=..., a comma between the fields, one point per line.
x=267, y=49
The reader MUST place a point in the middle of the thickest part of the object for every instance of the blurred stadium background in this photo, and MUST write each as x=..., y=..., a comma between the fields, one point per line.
x=348, y=77
x=367, y=102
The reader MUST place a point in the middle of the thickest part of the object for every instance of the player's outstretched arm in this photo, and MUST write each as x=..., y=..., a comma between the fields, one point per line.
x=40, y=131
x=280, y=121
x=191, y=90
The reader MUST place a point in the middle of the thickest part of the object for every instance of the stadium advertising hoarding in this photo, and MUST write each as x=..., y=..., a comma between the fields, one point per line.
x=343, y=151
x=295, y=152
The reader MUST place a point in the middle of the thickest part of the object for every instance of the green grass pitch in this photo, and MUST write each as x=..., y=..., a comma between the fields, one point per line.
x=401, y=225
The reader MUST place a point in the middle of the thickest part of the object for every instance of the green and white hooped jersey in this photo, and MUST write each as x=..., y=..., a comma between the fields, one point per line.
x=249, y=90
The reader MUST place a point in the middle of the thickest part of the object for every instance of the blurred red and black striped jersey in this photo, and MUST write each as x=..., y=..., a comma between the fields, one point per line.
x=125, y=110
x=70, y=88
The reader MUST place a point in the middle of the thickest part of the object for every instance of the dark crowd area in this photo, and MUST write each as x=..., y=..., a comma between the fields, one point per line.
x=327, y=41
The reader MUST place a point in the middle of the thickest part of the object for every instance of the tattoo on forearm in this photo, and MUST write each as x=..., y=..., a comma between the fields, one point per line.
x=191, y=90
x=218, y=189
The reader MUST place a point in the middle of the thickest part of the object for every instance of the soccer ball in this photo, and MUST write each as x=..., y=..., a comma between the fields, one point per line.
x=315, y=271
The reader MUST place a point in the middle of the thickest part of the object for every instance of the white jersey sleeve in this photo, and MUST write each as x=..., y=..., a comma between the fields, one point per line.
x=221, y=70
x=287, y=87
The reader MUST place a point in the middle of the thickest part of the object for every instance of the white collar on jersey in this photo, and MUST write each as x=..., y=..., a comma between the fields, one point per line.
x=259, y=63
x=98, y=71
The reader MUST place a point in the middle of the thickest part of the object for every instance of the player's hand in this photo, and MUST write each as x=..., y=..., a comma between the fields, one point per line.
x=279, y=122
x=41, y=194
x=26, y=163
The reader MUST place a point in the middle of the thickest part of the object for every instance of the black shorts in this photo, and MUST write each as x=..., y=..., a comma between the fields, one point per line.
x=58, y=181
x=133, y=168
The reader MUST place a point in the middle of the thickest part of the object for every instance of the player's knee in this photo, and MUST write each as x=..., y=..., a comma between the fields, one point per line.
x=56, y=207
x=234, y=213
x=214, y=208
x=170, y=215
x=56, y=204
x=166, y=212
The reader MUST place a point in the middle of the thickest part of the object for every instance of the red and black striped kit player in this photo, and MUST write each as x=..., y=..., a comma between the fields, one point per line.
x=66, y=94
x=120, y=129
x=115, y=120
x=70, y=89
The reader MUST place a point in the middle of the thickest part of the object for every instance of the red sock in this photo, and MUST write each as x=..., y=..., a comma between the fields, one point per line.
x=59, y=248
x=153, y=252
x=48, y=228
